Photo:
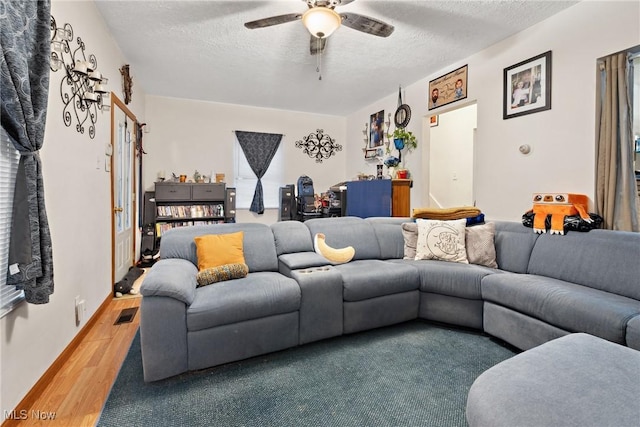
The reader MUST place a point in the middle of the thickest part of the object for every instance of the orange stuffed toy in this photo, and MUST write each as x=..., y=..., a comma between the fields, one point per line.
x=558, y=205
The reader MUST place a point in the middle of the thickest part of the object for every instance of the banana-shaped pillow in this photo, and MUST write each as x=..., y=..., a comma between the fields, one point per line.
x=336, y=256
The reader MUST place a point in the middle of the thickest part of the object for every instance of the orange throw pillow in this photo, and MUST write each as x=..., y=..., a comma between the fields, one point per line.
x=214, y=250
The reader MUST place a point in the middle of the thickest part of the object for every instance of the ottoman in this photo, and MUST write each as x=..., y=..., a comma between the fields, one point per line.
x=577, y=380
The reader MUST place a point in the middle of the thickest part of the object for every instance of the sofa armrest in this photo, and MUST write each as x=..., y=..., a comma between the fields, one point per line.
x=321, y=304
x=163, y=337
x=174, y=278
x=299, y=260
x=633, y=333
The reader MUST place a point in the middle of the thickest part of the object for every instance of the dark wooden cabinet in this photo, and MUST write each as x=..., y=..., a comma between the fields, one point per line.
x=401, y=197
x=184, y=204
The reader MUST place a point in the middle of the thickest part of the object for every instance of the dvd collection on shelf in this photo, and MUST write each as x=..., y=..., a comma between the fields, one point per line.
x=191, y=211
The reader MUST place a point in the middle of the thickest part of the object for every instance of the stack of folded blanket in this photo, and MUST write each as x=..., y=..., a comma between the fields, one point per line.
x=472, y=213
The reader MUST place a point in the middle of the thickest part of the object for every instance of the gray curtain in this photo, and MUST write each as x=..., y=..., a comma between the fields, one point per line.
x=259, y=149
x=616, y=193
x=25, y=45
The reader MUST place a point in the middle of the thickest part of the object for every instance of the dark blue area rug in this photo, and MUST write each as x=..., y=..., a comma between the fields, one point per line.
x=413, y=374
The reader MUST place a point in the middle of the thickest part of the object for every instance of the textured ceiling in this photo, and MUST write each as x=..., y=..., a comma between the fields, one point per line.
x=201, y=49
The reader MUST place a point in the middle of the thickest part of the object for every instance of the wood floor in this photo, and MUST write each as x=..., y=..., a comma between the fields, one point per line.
x=77, y=392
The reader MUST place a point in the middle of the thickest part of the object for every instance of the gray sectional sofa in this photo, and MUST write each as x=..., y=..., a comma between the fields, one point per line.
x=544, y=287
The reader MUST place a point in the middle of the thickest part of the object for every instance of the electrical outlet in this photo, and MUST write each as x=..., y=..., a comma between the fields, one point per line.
x=79, y=310
x=76, y=306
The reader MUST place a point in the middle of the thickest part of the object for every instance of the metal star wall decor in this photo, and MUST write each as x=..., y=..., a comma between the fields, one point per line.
x=319, y=145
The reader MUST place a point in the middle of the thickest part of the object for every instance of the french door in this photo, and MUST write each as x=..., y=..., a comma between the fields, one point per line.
x=123, y=200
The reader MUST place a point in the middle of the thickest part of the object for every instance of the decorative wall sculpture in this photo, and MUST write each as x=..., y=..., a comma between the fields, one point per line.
x=319, y=145
x=83, y=88
x=127, y=83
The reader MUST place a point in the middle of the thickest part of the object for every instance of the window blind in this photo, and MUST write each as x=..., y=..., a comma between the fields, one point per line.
x=10, y=297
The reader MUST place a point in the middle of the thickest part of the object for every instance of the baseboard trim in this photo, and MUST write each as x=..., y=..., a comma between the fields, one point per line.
x=31, y=397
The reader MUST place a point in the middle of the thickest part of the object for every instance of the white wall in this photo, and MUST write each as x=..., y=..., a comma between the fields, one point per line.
x=562, y=139
x=186, y=135
x=78, y=203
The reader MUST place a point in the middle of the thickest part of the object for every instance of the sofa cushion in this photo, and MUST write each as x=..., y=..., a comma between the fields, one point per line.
x=389, y=234
x=480, y=244
x=566, y=305
x=221, y=273
x=291, y=237
x=366, y=279
x=258, y=295
x=601, y=259
x=258, y=244
x=514, y=243
x=441, y=240
x=214, y=250
x=410, y=235
x=341, y=232
x=447, y=278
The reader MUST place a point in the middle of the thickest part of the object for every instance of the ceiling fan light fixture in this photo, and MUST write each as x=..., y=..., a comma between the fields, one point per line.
x=321, y=21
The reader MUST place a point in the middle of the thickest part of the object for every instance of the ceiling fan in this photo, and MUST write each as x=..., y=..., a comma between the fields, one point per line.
x=322, y=20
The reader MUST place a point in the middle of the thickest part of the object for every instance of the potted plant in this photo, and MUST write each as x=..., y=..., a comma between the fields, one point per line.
x=403, y=138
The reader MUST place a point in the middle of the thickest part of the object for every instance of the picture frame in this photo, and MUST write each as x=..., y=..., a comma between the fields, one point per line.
x=527, y=86
x=448, y=88
x=376, y=129
x=371, y=154
x=433, y=121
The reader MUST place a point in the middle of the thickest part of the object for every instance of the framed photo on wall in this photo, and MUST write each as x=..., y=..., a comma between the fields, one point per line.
x=527, y=86
x=449, y=88
x=376, y=130
x=370, y=154
x=433, y=120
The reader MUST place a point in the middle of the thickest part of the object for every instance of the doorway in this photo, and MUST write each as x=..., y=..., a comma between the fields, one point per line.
x=451, y=157
x=123, y=199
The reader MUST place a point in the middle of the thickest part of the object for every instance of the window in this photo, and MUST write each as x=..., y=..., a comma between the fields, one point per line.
x=9, y=296
x=245, y=180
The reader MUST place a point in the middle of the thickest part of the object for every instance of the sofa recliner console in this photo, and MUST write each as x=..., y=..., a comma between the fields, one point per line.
x=545, y=287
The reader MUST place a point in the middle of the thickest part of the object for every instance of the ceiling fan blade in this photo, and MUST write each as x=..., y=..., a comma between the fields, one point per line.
x=317, y=45
x=273, y=20
x=343, y=2
x=366, y=24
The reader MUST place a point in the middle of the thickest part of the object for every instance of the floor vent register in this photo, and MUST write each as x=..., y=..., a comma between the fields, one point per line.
x=126, y=315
